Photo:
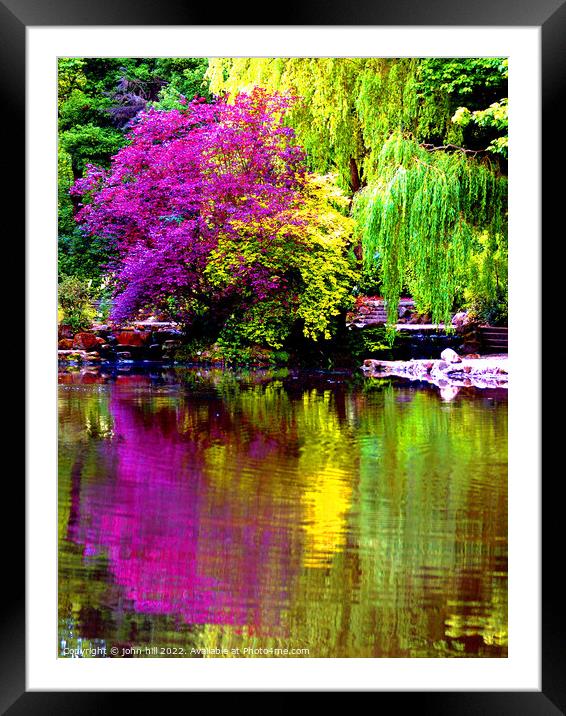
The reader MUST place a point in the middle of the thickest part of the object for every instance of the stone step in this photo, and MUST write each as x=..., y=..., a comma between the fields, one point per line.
x=488, y=339
x=500, y=332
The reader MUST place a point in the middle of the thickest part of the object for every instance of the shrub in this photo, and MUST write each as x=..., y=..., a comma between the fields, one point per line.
x=75, y=301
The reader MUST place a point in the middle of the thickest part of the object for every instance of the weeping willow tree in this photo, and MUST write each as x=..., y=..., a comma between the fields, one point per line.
x=423, y=219
x=409, y=141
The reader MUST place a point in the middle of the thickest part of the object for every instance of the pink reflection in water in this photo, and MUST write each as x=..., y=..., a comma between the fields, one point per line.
x=176, y=543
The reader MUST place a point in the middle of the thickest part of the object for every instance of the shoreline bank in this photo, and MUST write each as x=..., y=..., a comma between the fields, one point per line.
x=489, y=371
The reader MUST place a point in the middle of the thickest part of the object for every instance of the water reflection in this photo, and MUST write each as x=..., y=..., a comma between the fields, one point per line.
x=216, y=510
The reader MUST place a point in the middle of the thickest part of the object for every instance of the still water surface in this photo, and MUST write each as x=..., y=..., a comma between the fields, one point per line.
x=234, y=514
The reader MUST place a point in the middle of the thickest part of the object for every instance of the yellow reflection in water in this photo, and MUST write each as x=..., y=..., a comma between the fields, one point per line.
x=325, y=467
x=326, y=506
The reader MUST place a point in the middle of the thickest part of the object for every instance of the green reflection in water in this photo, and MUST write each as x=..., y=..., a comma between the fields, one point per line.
x=216, y=510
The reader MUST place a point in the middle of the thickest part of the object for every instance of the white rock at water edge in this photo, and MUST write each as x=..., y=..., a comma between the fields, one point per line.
x=450, y=356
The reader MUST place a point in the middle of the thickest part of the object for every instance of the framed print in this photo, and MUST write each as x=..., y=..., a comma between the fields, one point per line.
x=236, y=232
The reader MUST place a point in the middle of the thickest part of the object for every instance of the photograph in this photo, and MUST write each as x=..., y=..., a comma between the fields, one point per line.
x=283, y=354
x=282, y=347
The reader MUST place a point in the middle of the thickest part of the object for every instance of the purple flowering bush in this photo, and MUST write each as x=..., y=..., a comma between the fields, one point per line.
x=212, y=213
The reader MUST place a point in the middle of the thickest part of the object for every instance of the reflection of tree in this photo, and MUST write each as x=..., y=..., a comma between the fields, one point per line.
x=435, y=529
x=357, y=524
x=173, y=544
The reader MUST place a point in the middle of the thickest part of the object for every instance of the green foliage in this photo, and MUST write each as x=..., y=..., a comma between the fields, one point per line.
x=75, y=301
x=486, y=292
x=66, y=223
x=79, y=108
x=369, y=342
x=421, y=218
x=70, y=77
x=230, y=348
x=326, y=270
x=185, y=81
x=265, y=323
x=494, y=117
x=462, y=78
x=84, y=257
x=89, y=144
x=368, y=281
x=314, y=260
x=233, y=350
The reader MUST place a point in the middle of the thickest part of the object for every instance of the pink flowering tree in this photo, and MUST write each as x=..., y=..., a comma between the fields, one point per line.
x=210, y=211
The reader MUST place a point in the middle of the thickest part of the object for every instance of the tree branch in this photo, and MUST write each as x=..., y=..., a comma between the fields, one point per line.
x=452, y=147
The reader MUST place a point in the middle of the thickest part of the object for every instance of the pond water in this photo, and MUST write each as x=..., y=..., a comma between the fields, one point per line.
x=277, y=513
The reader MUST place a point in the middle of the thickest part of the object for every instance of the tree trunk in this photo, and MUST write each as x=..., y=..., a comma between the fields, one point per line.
x=355, y=182
x=356, y=185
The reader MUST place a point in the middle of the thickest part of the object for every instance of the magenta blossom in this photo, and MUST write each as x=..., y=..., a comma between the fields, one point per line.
x=201, y=207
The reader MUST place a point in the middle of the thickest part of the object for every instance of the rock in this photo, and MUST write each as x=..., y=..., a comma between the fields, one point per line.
x=64, y=331
x=135, y=339
x=65, y=344
x=450, y=356
x=86, y=341
x=461, y=319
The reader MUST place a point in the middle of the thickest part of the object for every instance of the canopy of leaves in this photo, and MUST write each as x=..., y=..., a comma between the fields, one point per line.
x=350, y=106
x=212, y=213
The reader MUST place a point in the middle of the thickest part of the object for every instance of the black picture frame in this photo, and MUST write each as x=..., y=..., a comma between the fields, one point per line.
x=15, y=17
